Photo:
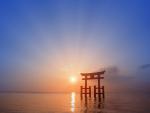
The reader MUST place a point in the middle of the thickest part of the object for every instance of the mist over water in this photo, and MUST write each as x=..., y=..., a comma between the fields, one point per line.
x=71, y=103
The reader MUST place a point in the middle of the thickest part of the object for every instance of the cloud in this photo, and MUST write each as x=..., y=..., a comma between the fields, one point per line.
x=117, y=81
x=145, y=66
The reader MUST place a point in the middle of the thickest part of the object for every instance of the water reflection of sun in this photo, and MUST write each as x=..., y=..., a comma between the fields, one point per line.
x=73, y=101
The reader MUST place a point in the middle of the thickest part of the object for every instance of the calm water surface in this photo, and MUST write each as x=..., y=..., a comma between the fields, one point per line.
x=71, y=103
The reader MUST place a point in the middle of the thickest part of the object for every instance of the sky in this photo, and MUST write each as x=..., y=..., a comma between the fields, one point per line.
x=43, y=43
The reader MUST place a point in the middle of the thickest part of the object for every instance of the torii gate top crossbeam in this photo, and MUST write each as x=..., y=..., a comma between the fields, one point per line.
x=95, y=75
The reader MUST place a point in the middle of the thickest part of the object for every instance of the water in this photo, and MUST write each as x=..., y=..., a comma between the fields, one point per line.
x=71, y=103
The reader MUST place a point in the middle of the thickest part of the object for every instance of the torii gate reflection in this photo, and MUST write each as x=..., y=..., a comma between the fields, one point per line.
x=87, y=90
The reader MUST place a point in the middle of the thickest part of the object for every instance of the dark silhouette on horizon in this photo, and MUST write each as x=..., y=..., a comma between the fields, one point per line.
x=87, y=90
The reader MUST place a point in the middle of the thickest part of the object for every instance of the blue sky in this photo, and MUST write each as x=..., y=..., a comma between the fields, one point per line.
x=41, y=41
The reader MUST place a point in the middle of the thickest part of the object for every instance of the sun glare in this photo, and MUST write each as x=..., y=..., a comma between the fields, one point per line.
x=73, y=79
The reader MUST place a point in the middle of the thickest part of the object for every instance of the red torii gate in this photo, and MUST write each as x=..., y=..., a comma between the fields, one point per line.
x=87, y=90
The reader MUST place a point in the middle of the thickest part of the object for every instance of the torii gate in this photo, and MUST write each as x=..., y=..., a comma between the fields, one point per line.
x=90, y=76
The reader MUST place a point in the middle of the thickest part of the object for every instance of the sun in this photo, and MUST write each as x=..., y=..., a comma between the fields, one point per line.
x=73, y=79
